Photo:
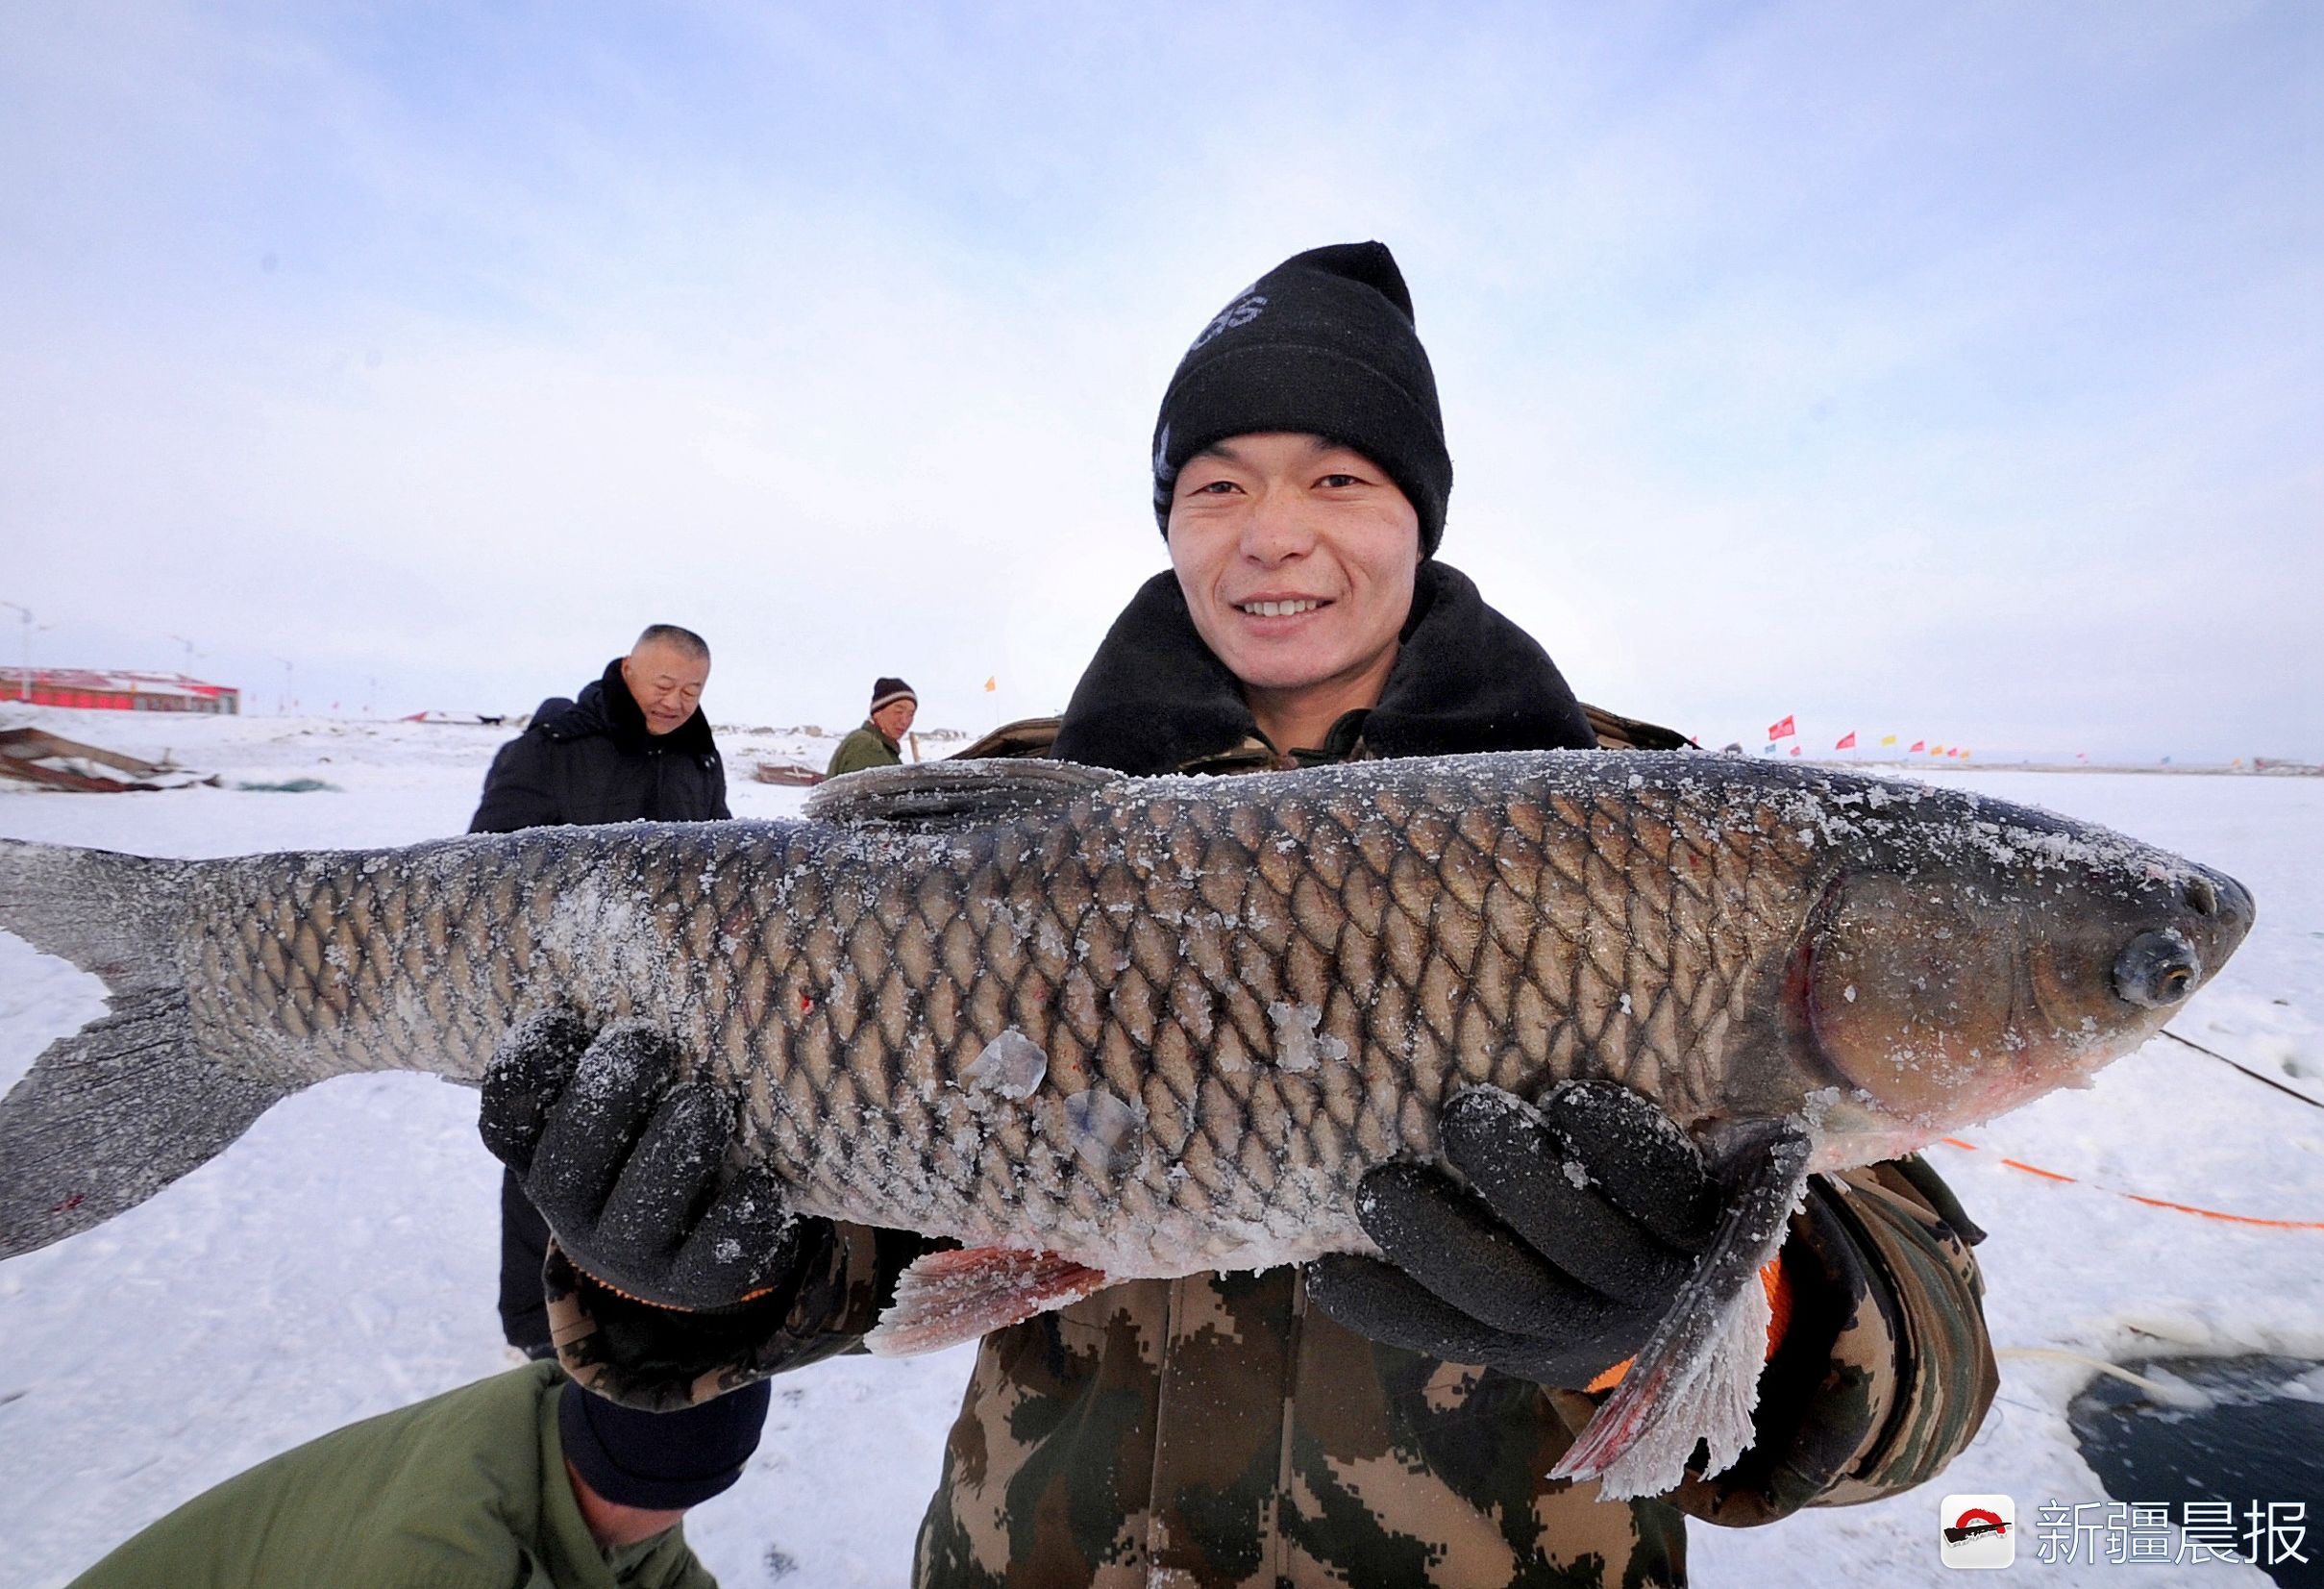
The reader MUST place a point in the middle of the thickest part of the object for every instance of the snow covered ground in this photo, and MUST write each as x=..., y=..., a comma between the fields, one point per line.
x=338, y=1260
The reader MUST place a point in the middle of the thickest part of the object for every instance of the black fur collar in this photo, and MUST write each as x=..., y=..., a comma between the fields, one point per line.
x=606, y=706
x=1154, y=699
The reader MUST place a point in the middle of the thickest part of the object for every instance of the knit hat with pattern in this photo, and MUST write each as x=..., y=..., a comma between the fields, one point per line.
x=1323, y=344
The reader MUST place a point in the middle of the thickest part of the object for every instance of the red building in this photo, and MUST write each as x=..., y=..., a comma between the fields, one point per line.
x=117, y=691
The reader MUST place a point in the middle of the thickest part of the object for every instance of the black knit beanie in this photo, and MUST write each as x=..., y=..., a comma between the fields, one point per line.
x=888, y=691
x=1322, y=344
x=662, y=1461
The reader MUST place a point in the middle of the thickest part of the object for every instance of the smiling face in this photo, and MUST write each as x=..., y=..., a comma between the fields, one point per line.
x=665, y=682
x=1297, y=559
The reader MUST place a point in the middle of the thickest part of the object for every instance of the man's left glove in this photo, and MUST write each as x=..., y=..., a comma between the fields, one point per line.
x=1581, y=1221
x=627, y=1165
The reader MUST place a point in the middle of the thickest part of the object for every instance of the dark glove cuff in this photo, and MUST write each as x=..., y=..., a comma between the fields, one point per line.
x=645, y=1356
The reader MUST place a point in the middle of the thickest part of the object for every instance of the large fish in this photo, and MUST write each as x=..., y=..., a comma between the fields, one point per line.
x=1152, y=1026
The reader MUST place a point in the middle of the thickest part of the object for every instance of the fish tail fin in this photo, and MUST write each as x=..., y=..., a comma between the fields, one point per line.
x=1697, y=1377
x=110, y=1115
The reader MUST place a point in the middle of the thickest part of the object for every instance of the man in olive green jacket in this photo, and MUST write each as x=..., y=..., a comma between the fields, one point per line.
x=880, y=741
x=507, y=1483
x=1333, y=1423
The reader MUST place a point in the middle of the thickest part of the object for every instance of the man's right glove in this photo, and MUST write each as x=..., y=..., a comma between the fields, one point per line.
x=1580, y=1221
x=627, y=1164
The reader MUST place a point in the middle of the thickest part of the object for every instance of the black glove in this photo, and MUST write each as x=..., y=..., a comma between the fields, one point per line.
x=1587, y=1216
x=627, y=1164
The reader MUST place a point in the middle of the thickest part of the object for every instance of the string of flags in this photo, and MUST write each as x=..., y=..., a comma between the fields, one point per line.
x=1787, y=728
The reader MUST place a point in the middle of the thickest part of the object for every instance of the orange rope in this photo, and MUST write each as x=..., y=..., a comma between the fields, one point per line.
x=2150, y=1201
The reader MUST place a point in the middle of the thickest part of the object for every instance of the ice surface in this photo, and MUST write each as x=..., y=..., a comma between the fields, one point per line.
x=339, y=1260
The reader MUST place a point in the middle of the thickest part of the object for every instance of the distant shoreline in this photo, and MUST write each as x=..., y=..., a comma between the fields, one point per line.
x=2288, y=769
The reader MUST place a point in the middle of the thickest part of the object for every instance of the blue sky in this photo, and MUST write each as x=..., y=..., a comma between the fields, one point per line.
x=1955, y=371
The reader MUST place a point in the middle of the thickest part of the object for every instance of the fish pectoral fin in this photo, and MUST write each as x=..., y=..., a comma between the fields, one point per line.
x=947, y=1298
x=1697, y=1377
x=932, y=794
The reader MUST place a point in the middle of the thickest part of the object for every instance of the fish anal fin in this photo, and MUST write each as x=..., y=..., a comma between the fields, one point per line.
x=1697, y=1380
x=947, y=1298
x=952, y=793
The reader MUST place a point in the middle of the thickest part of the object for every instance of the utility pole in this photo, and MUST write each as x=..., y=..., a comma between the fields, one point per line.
x=25, y=681
x=190, y=653
x=289, y=684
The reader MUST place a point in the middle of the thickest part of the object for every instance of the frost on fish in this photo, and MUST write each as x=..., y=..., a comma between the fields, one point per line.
x=1108, y=1133
x=1012, y=1065
x=1299, y=1046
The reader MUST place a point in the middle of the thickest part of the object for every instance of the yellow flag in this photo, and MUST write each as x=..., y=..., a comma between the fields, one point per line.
x=991, y=685
x=1888, y=740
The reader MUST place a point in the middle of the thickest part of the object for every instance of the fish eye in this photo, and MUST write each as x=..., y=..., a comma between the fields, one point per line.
x=2156, y=970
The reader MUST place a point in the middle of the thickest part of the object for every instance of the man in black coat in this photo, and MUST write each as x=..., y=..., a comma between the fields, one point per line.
x=633, y=746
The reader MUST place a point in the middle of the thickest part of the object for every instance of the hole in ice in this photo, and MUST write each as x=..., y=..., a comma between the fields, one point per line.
x=2232, y=1429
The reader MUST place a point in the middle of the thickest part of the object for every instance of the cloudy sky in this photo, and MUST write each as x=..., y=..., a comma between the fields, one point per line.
x=1954, y=370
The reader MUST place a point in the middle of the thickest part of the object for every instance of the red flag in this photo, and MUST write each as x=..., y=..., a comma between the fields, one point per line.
x=1954, y=751
x=1795, y=749
x=1848, y=743
x=1920, y=744
x=1782, y=731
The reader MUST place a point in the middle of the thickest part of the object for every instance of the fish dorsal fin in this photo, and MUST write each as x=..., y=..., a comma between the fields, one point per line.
x=948, y=792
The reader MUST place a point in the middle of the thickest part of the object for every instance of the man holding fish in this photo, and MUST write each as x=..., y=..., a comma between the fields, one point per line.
x=1355, y=1419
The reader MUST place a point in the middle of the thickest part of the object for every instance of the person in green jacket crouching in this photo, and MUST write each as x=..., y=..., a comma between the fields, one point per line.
x=509, y=1481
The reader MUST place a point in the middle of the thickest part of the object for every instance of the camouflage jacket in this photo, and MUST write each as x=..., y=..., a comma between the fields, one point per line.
x=1215, y=1430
